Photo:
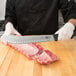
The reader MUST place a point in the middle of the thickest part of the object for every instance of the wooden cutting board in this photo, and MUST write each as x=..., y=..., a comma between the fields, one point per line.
x=13, y=63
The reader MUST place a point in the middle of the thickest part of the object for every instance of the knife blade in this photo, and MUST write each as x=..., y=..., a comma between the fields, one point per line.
x=14, y=39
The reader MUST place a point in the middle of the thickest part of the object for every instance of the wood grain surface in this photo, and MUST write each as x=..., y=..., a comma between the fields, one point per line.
x=13, y=63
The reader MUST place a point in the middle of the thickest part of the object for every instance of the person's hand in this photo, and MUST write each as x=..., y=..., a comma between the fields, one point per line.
x=9, y=30
x=66, y=31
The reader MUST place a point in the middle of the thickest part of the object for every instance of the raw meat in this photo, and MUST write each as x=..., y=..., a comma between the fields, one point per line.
x=36, y=52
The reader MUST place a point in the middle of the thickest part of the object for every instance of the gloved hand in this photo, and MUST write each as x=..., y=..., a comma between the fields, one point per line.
x=66, y=31
x=9, y=30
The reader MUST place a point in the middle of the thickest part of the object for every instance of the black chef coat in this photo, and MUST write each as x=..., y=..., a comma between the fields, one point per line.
x=36, y=17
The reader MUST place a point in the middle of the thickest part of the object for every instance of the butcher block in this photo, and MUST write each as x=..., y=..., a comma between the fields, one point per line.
x=14, y=63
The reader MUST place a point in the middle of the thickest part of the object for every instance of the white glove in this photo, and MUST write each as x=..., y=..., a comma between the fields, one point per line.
x=9, y=30
x=66, y=31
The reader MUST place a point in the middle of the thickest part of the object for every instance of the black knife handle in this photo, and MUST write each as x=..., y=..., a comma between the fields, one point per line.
x=74, y=34
x=55, y=37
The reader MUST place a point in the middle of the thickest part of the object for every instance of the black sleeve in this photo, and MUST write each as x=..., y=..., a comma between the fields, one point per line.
x=10, y=14
x=68, y=9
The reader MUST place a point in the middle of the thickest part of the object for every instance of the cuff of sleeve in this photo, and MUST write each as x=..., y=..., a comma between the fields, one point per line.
x=9, y=20
x=72, y=16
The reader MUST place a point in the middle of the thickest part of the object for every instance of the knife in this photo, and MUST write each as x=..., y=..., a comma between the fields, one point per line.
x=14, y=39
